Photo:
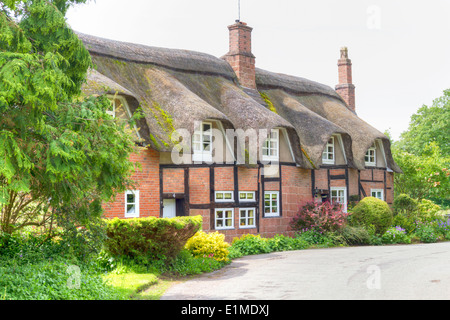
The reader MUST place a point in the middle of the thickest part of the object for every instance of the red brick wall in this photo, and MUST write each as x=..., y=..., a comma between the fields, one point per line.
x=296, y=189
x=199, y=188
x=147, y=179
x=173, y=180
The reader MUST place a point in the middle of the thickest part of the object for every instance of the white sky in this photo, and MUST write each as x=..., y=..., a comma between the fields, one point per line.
x=400, y=49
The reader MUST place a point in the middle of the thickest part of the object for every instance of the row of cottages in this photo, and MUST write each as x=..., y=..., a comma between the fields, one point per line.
x=204, y=116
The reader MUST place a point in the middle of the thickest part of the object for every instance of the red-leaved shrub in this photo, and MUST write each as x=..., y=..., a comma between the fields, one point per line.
x=323, y=217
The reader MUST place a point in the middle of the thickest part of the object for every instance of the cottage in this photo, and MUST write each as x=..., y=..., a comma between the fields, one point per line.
x=240, y=146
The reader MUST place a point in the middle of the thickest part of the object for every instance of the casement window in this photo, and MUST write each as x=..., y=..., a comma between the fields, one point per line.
x=202, y=143
x=271, y=204
x=371, y=159
x=224, y=196
x=247, y=196
x=339, y=195
x=247, y=218
x=271, y=147
x=377, y=193
x=132, y=204
x=224, y=219
x=328, y=153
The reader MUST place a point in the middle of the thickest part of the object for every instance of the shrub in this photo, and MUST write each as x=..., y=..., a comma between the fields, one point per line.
x=428, y=210
x=371, y=211
x=211, y=245
x=250, y=244
x=405, y=221
x=316, y=238
x=324, y=217
x=283, y=243
x=351, y=236
x=404, y=203
x=426, y=233
x=150, y=238
x=395, y=235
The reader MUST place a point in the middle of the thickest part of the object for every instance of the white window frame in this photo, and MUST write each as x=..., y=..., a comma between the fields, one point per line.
x=124, y=102
x=326, y=152
x=271, y=213
x=246, y=193
x=246, y=218
x=374, y=150
x=223, y=198
x=332, y=198
x=224, y=219
x=136, y=212
x=381, y=191
x=201, y=155
x=267, y=146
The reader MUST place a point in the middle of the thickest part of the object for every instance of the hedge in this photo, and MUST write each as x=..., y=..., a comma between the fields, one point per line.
x=150, y=238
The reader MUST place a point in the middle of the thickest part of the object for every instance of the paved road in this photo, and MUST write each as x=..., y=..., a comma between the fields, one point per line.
x=388, y=272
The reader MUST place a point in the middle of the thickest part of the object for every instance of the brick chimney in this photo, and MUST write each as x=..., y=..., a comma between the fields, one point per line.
x=240, y=56
x=345, y=88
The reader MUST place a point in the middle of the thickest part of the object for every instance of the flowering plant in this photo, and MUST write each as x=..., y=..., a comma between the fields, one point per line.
x=395, y=235
x=323, y=217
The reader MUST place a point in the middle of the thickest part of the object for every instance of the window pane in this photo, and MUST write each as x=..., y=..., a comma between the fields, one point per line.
x=251, y=213
x=219, y=196
x=219, y=214
x=228, y=195
x=250, y=196
x=130, y=198
x=130, y=208
x=251, y=222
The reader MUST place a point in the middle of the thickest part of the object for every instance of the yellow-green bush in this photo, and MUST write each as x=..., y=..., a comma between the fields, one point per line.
x=210, y=245
x=374, y=213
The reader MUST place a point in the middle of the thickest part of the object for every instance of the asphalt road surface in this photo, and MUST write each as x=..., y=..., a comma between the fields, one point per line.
x=403, y=272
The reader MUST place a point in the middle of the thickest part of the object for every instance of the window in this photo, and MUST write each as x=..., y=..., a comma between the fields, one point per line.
x=116, y=103
x=247, y=218
x=202, y=143
x=328, y=153
x=224, y=219
x=271, y=147
x=247, y=196
x=224, y=196
x=371, y=159
x=132, y=204
x=339, y=195
x=377, y=193
x=271, y=204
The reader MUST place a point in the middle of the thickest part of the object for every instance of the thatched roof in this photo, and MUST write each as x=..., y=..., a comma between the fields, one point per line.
x=178, y=88
x=317, y=112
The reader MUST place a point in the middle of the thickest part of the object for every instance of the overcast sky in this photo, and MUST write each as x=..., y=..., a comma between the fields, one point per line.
x=400, y=49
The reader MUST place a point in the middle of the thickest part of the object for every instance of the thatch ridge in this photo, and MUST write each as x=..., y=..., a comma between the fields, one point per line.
x=176, y=59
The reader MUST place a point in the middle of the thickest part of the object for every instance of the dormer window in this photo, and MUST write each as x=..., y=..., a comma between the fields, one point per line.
x=202, y=143
x=271, y=147
x=116, y=103
x=328, y=155
x=371, y=158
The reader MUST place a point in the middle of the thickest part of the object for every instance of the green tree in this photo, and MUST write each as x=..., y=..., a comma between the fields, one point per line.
x=429, y=124
x=61, y=154
x=425, y=176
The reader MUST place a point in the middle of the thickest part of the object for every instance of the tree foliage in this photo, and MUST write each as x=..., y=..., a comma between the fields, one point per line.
x=61, y=154
x=428, y=125
x=423, y=153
